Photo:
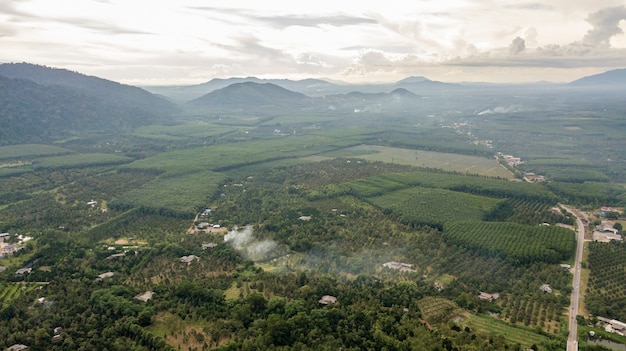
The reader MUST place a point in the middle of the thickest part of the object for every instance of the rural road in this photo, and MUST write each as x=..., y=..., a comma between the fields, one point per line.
x=572, y=343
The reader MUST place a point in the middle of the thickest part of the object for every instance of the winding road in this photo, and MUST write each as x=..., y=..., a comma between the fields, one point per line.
x=572, y=343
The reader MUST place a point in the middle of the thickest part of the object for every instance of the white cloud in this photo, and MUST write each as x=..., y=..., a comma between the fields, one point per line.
x=189, y=42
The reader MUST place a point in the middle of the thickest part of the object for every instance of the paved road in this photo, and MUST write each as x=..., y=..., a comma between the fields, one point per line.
x=572, y=343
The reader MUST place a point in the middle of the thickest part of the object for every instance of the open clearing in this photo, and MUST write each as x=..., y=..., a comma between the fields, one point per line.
x=519, y=335
x=446, y=161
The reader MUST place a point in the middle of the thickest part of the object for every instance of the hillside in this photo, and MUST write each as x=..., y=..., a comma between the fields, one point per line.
x=185, y=93
x=614, y=78
x=44, y=104
x=249, y=96
x=121, y=95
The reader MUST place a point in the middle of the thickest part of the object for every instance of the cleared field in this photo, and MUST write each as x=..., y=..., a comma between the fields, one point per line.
x=182, y=131
x=79, y=161
x=511, y=333
x=430, y=159
x=30, y=150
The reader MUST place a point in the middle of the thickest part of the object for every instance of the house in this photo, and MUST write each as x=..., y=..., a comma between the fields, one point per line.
x=208, y=246
x=304, y=218
x=58, y=330
x=203, y=225
x=546, y=288
x=489, y=297
x=613, y=325
x=402, y=267
x=17, y=347
x=115, y=256
x=145, y=296
x=20, y=272
x=189, y=259
x=105, y=275
x=327, y=299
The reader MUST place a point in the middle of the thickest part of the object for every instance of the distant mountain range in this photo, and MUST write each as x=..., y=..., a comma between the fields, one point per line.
x=39, y=104
x=308, y=87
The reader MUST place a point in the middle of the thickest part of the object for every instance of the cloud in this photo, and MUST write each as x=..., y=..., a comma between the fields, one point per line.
x=315, y=21
x=605, y=25
x=518, y=45
x=531, y=6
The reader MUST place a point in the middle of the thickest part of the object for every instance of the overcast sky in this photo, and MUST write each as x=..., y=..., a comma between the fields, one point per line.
x=149, y=42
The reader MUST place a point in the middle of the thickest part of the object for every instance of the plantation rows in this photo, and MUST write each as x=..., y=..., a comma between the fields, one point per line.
x=534, y=311
x=433, y=207
x=485, y=186
x=515, y=243
x=606, y=290
x=437, y=309
x=11, y=292
x=181, y=195
x=532, y=212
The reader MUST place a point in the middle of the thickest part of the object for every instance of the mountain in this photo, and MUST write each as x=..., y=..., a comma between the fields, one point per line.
x=614, y=78
x=40, y=104
x=125, y=96
x=249, y=96
x=310, y=87
x=30, y=112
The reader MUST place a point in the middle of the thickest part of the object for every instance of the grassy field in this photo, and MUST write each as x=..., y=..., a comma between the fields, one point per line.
x=419, y=158
x=182, y=131
x=515, y=334
x=79, y=161
x=11, y=292
x=30, y=150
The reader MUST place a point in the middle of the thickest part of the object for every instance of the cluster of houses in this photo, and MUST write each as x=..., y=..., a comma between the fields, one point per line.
x=605, y=232
x=511, y=160
x=612, y=325
x=9, y=248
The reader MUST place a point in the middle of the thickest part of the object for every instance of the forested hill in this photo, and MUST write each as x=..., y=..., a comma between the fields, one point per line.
x=249, y=96
x=121, y=95
x=40, y=104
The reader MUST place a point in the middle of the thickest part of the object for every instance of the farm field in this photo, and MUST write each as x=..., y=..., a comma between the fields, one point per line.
x=514, y=334
x=431, y=159
x=30, y=150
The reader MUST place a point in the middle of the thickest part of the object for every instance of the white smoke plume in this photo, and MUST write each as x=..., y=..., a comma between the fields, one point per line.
x=242, y=240
x=499, y=109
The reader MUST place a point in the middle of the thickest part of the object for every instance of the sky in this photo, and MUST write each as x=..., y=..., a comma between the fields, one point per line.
x=180, y=42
